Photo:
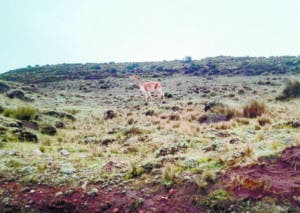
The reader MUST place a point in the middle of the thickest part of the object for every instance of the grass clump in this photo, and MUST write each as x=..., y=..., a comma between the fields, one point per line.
x=21, y=113
x=291, y=90
x=263, y=121
x=216, y=200
x=254, y=109
x=72, y=111
x=168, y=174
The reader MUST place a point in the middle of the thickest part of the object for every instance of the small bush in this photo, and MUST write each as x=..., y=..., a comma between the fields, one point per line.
x=254, y=109
x=22, y=113
x=291, y=90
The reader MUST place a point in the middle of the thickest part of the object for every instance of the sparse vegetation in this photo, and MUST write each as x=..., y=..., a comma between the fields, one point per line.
x=98, y=136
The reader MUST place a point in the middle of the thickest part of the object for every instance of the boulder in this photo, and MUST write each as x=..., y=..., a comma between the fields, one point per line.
x=3, y=87
x=19, y=94
x=27, y=136
x=59, y=124
x=48, y=130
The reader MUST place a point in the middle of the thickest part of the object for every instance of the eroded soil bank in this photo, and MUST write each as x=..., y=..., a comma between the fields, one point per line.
x=17, y=197
x=278, y=178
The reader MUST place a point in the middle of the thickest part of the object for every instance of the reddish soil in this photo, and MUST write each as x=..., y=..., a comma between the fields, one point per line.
x=279, y=178
x=45, y=198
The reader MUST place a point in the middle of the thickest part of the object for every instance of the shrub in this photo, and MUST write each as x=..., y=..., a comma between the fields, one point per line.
x=22, y=113
x=291, y=90
x=254, y=109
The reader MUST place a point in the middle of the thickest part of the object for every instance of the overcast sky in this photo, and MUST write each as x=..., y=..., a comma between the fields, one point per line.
x=79, y=31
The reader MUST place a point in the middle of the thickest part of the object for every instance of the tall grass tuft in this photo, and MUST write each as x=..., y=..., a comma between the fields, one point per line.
x=254, y=109
x=22, y=113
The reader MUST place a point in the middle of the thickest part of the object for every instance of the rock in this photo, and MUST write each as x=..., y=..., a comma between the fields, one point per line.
x=8, y=153
x=150, y=113
x=64, y=152
x=19, y=94
x=67, y=169
x=37, y=152
x=3, y=87
x=187, y=178
x=109, y=114
x=93, y=192
x=59, y=124
x=107, y=141
x=30, y=124
x=175, y=108
x=296, y=124
x=168, y=95
x=3, y=152
x=148, y=167
x=58, y=194
x=15, y=124
x=25, y=136
x=48, y=130
x=90, y=139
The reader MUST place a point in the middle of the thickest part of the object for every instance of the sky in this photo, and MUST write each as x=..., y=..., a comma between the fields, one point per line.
x=39, y=32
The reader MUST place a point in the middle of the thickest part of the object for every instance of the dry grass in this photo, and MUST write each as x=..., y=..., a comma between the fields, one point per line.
x=168, y=172
x=227, y=111
x=263, y=120
x=224, y=126
x=242, y=121
x=254, y=109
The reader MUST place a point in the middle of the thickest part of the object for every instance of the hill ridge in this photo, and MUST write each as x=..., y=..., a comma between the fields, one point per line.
x=219, y=65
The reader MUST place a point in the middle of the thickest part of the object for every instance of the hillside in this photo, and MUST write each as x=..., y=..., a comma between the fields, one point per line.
x=221, y=65
x=82, y=138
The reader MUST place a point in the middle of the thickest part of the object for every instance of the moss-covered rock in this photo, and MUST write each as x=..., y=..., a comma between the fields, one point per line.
x=26, y=136
x=48, y=129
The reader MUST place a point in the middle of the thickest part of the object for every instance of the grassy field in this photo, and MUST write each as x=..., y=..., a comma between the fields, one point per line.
x=96, y=146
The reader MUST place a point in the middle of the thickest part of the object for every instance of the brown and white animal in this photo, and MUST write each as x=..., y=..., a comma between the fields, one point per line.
x=148, y=87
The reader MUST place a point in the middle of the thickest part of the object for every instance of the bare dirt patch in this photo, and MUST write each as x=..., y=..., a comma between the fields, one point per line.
x=279, y=178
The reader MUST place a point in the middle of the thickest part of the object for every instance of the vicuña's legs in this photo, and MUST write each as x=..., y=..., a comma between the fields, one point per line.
x=147, y=96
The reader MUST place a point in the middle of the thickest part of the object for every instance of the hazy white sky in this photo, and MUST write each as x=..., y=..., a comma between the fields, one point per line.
x=78, y=31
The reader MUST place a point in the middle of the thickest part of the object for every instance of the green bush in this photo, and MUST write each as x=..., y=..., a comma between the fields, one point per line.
x=291, y=90
x=22, y=113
